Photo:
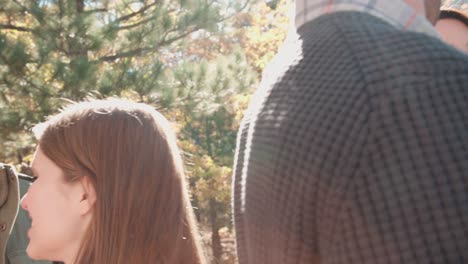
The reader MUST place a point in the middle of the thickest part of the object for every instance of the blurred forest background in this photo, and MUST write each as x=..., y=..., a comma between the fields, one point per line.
x=196, y=61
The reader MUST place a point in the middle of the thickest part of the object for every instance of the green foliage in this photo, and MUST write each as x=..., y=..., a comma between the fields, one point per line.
x=69, y=48
x=208, y=98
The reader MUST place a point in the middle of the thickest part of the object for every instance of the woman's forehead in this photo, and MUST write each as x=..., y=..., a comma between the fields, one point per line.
x=41, y=162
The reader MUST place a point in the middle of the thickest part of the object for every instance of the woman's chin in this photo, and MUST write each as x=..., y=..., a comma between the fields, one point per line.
x=33, y=253
x=39, y=253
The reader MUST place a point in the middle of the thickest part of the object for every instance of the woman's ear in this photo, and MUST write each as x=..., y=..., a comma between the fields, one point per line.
x=88, y=195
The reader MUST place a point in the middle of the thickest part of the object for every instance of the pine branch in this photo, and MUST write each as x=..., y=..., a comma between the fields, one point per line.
x=136, y=24
x=80, y=5
x=142, y=21
x=24, y=8
x=141, y=11
x=131, y=53
x=5, y=98
x=181, y=36
x=145, y=50
x=13, y=27
x=9, y=85
x=222, y=19
x=97, y=10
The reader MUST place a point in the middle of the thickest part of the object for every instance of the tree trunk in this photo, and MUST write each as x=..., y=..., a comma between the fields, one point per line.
x=80, y=6
x=215, y=238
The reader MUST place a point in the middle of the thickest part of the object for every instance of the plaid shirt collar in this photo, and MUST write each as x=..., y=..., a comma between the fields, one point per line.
x=395, y=12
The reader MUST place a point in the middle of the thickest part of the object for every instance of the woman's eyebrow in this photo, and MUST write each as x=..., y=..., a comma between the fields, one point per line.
x=28, y=178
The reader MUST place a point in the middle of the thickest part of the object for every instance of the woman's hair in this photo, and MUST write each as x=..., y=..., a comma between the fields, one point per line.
x=142, y=212
x=455, y=14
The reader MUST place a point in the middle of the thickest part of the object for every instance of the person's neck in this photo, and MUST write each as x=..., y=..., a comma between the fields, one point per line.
x=69, y=260
x=69, y=256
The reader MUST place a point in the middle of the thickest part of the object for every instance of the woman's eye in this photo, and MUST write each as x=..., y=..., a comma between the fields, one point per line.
x=27, y=177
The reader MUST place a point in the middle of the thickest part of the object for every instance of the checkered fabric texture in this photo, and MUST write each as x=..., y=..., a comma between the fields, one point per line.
x=355, y=150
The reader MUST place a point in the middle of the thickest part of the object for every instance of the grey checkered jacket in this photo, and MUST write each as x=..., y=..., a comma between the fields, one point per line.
x=355, y=150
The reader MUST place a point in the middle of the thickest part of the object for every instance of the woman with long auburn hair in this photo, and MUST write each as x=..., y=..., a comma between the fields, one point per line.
x=110, y=188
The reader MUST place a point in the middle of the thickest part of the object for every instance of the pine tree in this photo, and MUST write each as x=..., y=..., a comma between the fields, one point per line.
x=53, y=49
